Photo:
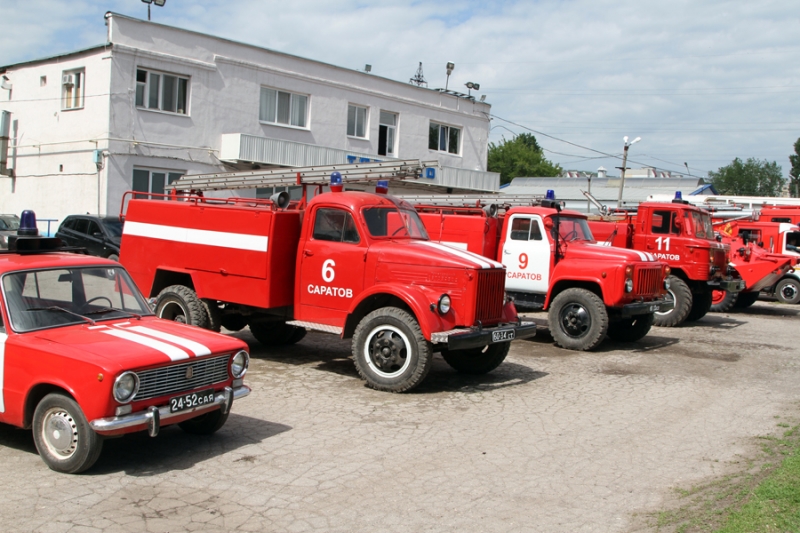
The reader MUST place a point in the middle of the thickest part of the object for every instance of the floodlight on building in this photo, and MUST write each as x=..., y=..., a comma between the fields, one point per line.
x=159, y=3
x=450, y=67
x=367, y=68
x=471, y=85
x=483, y=98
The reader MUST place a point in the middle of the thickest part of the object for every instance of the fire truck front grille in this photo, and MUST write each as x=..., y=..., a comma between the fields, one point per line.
x=648, y=281
x=719, y=259
x=489, y=301
x=177, y=378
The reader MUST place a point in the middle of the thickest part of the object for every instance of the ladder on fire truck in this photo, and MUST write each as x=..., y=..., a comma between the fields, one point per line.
x=401, y=172
x=488, y=202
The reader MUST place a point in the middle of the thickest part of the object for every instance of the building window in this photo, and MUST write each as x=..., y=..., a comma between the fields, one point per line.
x=443, y=138
x=280, y=107
x=153, y=181
x=357, y=121
x=164, y=92
x=386, y=133
x=72, y=88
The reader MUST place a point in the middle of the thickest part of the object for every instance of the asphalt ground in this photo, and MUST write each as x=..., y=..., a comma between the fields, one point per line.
x=551, y=441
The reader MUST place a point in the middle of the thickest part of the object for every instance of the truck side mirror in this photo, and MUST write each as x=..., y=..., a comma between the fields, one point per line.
x=719, y=238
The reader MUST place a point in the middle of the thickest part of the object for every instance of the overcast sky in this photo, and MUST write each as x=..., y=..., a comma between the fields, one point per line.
x=701, y=81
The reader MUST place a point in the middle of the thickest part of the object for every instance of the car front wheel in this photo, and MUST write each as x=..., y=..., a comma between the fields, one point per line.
x=63, y=437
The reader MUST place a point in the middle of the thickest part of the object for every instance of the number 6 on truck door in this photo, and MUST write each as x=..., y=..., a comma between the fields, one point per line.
x=526, y=255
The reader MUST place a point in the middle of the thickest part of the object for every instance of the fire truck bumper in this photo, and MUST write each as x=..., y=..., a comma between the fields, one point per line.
x=643, y=308
x=154, y=417
x=729, y=285
x=465, y=338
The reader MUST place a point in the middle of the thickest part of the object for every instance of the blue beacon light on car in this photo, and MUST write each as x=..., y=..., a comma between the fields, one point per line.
x=27, y=224
x=336, y=182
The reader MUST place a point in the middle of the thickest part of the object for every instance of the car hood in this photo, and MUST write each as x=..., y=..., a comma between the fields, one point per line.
x=602, y=252
x=430, y=254
x=138, y=344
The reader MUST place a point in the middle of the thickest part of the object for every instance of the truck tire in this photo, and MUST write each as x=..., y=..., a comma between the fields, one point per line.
x=680, y=294
x=63, y=437
x=477, y=361
x=630, y=329
x=788, y=291
x=578, y=319
x=701, y=304
x=276, y=333
x=206, y=424
x=746, y=299
x=724, y=301
x=214, y=314
x=181, y=304
x=390, y=352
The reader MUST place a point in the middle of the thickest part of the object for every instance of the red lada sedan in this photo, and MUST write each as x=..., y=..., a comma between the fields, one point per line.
x=82, y=357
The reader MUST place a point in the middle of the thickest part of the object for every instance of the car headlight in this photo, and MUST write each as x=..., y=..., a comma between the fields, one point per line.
x=125, y=387
x=629, y=285
x=444, y=304
x=239, y=364
x=666, y=283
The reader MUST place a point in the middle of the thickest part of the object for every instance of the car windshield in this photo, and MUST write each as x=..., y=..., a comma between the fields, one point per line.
x=572, y=229
x=383, y=221
x=42, y=299
x=702, y=225
x=9, y=223
x=114, y=227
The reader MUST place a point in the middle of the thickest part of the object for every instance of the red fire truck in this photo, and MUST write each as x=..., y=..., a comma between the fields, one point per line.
x=356, y=264
x=553, y=263
x=682, y=235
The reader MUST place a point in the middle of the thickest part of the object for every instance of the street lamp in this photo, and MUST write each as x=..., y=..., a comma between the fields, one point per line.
x=622, y=168
x=159, y=3
x=450, y=67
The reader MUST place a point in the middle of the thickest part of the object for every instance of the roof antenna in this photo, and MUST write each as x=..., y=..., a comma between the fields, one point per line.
x=419, y=79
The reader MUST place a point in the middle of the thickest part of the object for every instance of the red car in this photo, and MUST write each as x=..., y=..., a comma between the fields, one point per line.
x=82, y=356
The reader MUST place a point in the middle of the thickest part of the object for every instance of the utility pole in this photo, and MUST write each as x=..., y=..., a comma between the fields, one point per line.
x=622, y=168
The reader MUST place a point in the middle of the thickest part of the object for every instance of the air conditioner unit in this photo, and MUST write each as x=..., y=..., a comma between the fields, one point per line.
x=68, y=79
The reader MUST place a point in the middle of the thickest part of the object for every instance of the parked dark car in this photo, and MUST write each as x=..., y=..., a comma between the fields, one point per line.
x=100, y=235
x=9, y=224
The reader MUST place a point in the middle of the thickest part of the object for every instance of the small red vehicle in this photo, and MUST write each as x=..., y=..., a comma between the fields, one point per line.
x=553, y=263
x=82, y=357
x=356, y=264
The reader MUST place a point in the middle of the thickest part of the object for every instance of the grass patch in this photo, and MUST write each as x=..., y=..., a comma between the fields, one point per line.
x=762, y=495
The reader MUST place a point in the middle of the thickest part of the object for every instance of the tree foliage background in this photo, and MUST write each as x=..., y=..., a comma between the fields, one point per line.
x=749, y=178
x=794, y=174
x=519, y=157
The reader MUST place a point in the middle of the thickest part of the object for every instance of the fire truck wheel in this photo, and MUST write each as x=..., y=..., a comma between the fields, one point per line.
x=62, y=435
x=788, y=291
x=477, y=360
x=206, y=424
x=233, y=322
x=723, y=301
x=630, y=329
x=746, y=299
x=578, y=319
x=701, y=304
x=680, y=294
x=276, y=333
x=213, y=313
x=181, y=304
x=114, y=257
x=390, y=351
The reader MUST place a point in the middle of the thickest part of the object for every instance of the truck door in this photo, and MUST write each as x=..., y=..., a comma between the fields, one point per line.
x=526, y=255
x=331, y=267
x=663, y=229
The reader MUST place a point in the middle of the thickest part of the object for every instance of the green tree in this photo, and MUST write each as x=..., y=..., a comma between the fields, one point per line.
x=794, y=174
x=751, y=178
x=521, y=156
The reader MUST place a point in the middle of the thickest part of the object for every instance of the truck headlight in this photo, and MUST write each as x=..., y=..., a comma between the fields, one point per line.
x=239, y=364
x=125, y=387
x=629, y=285
x=444, y=304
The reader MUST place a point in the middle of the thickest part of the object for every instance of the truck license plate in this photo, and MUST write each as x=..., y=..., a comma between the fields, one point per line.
x=654, y=308
x=502, y=335
x=193, y=399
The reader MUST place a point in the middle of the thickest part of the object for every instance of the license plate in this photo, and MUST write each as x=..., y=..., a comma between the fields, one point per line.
x=654, y=308
x=502, y=335
x=191, y=400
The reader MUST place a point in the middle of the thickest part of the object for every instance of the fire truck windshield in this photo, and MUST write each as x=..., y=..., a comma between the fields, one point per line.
x=393, y=222
x=41, y=299
x=573, y=229
x=702, y=225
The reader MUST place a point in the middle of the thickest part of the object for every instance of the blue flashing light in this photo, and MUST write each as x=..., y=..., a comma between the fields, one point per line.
x=27, y=224
x=382, y=187
x=678, y=195
x=551, y=195
x=336, y=178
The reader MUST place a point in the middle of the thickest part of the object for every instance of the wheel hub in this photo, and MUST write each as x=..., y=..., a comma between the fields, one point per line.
x=576, y=320
x=60, y=433
x=387, y=351
x=789, y=292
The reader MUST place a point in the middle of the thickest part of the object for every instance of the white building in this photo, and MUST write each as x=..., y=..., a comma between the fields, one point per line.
x=156, y=102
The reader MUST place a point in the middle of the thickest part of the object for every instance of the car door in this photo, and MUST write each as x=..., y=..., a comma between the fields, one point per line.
x=526, y=255
x=663, y=238
x=94, y=239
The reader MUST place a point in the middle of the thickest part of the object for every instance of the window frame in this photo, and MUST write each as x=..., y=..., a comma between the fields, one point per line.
x=147, y=91
x=77, y=99
x=263, y=118
x=391, y=133
x=447, y=138
x=170, y=175
x=365, y=125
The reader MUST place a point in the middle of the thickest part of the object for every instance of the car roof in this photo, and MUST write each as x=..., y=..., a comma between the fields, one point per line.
x=10, y=262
